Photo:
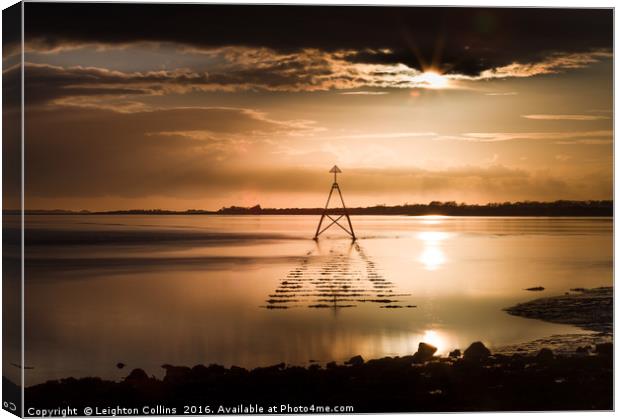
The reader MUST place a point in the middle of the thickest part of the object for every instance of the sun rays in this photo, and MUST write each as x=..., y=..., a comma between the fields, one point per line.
x=433, y=80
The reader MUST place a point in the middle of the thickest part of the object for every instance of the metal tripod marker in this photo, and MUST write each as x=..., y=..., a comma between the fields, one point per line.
x=326, y=212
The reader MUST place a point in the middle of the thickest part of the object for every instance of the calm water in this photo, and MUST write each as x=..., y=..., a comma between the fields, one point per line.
x=255, y=291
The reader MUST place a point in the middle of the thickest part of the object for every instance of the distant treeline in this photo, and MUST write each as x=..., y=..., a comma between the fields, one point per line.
x=525, y=208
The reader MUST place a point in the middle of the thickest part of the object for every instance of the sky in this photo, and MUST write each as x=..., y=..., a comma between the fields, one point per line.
x=203, y=106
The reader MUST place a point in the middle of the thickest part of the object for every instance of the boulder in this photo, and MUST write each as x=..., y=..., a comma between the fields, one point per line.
x=216, y=369
x=177, y=374
x=238, y=370
x=605, y=349
x=200, y=371
x=583, y=350
x=355, y=361
x=476, y=352
x=544, y=355
x=272, y=368
x=136, y=376
x=455, y=353
x=425, y=353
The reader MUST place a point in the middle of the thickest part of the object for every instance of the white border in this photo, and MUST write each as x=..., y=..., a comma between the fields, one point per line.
x=478, y=3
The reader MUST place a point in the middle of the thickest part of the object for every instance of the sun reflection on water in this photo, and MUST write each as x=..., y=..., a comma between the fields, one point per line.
x=432, y=219
x=436, y=339
x=432, y=256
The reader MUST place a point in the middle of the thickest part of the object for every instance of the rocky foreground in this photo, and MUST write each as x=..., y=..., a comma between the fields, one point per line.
x=473, y=381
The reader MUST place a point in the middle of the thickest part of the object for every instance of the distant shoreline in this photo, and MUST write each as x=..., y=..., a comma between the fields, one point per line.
x=507, y=209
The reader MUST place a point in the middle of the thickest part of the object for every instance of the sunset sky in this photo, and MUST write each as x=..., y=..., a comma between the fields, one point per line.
x=194, y=106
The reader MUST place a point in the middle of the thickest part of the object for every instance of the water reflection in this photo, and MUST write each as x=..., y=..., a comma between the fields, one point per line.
x=336, y=276
x=432, y=219
x=432, y=256
x=200, y=301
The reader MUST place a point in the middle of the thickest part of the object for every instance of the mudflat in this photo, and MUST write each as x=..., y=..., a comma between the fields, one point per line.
x=591, y=309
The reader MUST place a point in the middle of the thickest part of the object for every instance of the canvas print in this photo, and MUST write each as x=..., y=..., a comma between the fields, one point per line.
x=301, y=209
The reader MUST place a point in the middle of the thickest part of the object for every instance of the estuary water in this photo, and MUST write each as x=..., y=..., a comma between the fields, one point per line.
x=256, y=290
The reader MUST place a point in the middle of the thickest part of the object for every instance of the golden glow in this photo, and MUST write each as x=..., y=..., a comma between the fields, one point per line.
x=432, y=80
x=399, y=134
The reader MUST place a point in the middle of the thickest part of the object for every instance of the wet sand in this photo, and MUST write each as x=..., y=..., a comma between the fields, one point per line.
x=591, y=309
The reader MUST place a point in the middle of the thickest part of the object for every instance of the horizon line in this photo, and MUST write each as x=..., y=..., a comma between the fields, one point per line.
x=259, y=207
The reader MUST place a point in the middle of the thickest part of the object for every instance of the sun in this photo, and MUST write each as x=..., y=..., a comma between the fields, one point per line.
x=432, y=80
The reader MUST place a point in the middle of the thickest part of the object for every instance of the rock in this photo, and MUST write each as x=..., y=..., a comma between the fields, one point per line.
x=176, y=374
x=544, y=355
x=272, y=368
x=501, y=358
x=517, y=362
x=355, y=361
x=606, y=349
x=200, y=371
x=455, y=353
x=120, y=365
x=216, y=369
x=406, y=360
x=476, y=352
x=425, y=353
x=535, y=289
x=238, y=370
x=583, y=350
x=136, y=376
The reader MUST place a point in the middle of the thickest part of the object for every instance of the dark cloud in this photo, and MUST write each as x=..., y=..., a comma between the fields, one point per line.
x=11, y=29
x=45, y=83
x=459, y=40
x=265, y=70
